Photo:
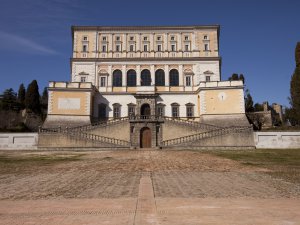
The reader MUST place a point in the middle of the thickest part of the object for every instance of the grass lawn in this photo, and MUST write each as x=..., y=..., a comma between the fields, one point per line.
x=27, y=162
x=282, y=163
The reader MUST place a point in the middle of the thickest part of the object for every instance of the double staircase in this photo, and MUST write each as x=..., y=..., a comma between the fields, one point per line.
x=198, y=131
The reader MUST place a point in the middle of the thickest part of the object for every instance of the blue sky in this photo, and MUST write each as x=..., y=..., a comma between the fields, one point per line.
x=257, y=38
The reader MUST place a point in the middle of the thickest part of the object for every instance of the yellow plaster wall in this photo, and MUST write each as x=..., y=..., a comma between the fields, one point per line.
x=230, y=104
x=118, y=89
x=131, y=89
x=174, y=88
x=161, y=88
x=83, y=96
x=79, y=39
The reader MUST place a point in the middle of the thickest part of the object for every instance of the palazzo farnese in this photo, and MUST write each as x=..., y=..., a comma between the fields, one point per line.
x=146, y=86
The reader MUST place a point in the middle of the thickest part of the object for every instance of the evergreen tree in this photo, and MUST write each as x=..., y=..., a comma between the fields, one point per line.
x=258, y=107
x=32, y=98
x=9, y=100
x=248, y=102
x=295, y=90
x=234, y=76
x=21, y=96
x=242, y=78
x=44, y=99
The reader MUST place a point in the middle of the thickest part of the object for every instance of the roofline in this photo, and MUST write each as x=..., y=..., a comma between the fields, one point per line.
x=152, y=27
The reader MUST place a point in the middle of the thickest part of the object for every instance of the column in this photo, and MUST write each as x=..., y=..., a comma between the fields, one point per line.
x=109, y=79
x=166, y=42
x=167, y=83
x=152, y=71
x=179, y=42
x=124, y=77
x=138, y=75
x=138, y=42
x=124, y=47
x=181, y=77
x=151, y=40
x=193, y=42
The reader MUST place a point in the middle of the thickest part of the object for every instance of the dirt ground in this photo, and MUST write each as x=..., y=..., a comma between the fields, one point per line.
x=117, y=174
x=178, y=179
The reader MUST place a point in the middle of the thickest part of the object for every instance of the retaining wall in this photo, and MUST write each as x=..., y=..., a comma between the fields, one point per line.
x=18, y=140
x=277, y=139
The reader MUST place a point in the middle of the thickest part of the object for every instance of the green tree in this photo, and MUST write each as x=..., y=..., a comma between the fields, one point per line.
x=258, y=107
x=248, y=102
x=32, y=98
x=242, y=78
x=9, y=100
x=44, y=99
x=234, y=76
x=295, y=90
x=21, y=96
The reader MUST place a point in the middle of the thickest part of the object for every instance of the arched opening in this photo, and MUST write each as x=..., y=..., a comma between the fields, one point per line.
x=145, y=111
x=174, y=77
x=145, y=137
x=117, y=78
x=159, y=78
x=131, y=78
x=145, y=78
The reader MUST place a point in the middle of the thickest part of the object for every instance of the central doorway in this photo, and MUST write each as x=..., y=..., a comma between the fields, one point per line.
x=145, y=137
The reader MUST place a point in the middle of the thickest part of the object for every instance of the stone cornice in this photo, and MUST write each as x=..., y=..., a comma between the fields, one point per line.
x=145, y=59
x=143, y=28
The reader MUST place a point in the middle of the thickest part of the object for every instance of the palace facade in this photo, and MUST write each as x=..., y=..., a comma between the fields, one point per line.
x=146, y=75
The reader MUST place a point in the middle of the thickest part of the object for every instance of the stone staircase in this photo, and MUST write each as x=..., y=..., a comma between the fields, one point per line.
x=99, y=124
x=81, y=132
x=181, y=141
x=189, y=123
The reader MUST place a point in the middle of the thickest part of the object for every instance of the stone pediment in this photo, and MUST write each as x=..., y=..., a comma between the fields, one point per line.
x=188, y=72
x=83, y=73
x=103, y=72
x=208, y=72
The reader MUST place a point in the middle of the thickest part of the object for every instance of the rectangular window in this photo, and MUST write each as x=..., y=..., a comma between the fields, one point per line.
x=85, y=38
x=207, y=78
x=145, y=48
x=131, y=38
x=82, y=79
x=160, y=111
x=102, y=81
x=118, y=48
x=103, y=48
x=175, y=111
x=188, y=81
x=173, y=48
x=186, y=48
x=159, y=48
x=206, y=47
x=84, y=48
x=117, y=38
x=186, y=38
x=131, y=111
x=159, y=38
x=131, y=48
x=189, y=111
x=103, y=38
x=116, y=111
x=145, y=38
x=172, y=38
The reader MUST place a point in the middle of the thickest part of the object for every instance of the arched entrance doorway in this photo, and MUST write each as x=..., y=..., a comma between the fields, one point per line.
x=145, y=137
x=145, y=111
